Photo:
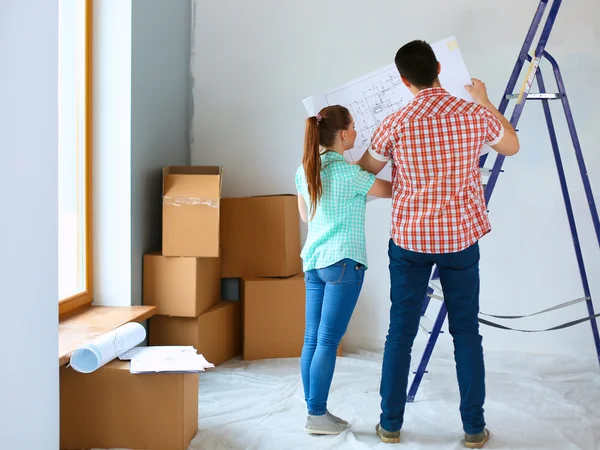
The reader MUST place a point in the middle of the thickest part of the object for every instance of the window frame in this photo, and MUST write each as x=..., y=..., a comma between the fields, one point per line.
x=85, y=297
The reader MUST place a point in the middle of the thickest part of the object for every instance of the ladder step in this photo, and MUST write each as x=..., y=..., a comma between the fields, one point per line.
x=437, y=297
x=427, y=325
x=435, y=286
x=536, y=96
x=485, y=175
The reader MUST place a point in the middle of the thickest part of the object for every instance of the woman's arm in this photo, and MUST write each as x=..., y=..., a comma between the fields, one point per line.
x=302, y=208
x=381, y=189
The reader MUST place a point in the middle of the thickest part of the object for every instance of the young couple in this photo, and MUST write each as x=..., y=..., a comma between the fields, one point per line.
x=438, y=217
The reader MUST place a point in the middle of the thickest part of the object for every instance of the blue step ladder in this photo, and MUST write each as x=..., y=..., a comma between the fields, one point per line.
x=534, y=74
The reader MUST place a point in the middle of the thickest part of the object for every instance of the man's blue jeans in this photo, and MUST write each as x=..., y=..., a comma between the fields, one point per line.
x=331, y=295
x=409, y=276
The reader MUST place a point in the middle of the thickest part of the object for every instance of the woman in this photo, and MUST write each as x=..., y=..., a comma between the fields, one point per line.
x=332, y=197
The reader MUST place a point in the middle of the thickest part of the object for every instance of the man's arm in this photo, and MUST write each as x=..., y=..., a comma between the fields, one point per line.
x=379, y=152
x=509, y=144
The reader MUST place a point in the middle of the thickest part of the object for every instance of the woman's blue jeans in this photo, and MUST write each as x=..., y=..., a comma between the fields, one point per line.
x=331, y=295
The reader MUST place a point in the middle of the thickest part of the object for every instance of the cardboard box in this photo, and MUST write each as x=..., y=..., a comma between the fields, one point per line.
x=260, y=236
x=181, y=286
x=191, y=211
x=110, y=408
x=216, y=334
x=274, y=317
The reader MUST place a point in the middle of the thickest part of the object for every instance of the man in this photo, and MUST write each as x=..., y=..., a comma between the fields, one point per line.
x=438, y=217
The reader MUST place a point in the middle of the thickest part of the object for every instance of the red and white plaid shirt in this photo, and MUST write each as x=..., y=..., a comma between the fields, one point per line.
x=434, y=143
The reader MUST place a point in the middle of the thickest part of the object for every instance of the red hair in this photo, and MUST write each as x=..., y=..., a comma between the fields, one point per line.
x=321, y=131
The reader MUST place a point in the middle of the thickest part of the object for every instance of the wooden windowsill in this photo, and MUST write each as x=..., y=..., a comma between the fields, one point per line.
x=85, y=324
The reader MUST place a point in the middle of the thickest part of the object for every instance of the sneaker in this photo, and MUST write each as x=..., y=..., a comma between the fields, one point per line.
x=388, y=437
x=477, y=440
x=336, y=418
x=324, y=424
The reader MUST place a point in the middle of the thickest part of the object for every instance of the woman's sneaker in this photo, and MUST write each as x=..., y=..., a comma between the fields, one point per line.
x=324, y=424
x=388, y=437
x=477, y=440
x=336, y=418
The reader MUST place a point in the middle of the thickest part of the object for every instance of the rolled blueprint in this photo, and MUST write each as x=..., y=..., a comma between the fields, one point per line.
x=105, y=348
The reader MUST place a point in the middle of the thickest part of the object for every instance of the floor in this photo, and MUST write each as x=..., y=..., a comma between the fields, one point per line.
x=534, y=402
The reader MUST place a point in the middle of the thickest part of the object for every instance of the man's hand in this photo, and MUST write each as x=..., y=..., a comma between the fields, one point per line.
x=479, y=92
x=509, y=145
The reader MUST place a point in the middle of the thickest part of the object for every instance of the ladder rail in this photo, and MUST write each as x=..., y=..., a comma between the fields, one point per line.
x=435, y=333
x=576, y=144
x=565, y=188
x=523, y=53
x=520, y=106
x=523, y=56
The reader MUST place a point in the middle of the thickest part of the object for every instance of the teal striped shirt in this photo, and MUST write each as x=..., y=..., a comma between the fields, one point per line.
x=337, y=230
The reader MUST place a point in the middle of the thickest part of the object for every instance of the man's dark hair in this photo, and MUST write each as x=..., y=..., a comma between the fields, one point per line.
x=417, y=63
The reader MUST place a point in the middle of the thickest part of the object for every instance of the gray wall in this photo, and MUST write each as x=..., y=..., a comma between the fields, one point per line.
x=160, y=116
x=28, y=269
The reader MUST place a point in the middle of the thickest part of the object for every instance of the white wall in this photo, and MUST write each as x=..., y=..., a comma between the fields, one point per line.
x=254, y=62
x=29, y=412
x=141, y=123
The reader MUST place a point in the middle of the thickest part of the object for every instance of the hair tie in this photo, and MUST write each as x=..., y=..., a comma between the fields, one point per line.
x=319, y=118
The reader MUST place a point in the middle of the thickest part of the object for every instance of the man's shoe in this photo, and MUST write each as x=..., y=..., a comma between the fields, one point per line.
x=324, y=424
x=388, y=437
x=477, y=440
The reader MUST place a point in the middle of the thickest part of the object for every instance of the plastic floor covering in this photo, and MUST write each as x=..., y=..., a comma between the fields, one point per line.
x=533, y=402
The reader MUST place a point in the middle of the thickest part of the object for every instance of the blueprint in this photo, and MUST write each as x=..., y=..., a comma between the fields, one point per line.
x=373, y=97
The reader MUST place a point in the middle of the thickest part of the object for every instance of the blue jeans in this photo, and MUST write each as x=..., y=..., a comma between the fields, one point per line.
x=409, y=276
x=331, y=295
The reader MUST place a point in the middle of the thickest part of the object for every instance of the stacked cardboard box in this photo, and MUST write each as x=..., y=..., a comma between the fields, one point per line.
x=160, y=412
x=260, y=236
x=244, y=249
x=184, y=280
x=260, y=239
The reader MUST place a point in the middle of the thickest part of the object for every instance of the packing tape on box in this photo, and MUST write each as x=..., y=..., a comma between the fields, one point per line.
x=184, y=201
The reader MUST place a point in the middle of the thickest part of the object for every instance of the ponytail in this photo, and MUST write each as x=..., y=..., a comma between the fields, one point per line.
x=321, y=131
x=311, y=161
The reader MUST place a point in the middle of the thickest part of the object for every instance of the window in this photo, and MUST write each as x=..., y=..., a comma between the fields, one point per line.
x=74, y=155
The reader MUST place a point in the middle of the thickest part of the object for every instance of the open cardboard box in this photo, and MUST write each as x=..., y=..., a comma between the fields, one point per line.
x=191, y=210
